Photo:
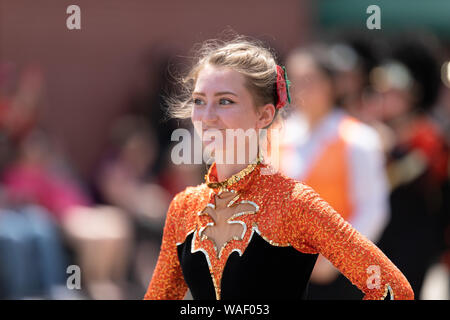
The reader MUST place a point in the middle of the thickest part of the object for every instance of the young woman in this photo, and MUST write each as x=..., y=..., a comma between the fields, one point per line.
x=249, y=231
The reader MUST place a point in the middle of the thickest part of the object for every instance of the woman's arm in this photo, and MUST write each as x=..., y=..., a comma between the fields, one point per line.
x=317, y=228
x=167, y=281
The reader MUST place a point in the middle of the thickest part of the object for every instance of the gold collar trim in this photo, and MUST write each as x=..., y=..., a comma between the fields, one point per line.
x=234, y=178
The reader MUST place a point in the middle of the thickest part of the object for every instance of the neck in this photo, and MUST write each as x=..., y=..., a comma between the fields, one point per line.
x=225, y=171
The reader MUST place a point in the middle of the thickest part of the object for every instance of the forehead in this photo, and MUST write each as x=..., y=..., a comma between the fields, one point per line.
x=212, y=78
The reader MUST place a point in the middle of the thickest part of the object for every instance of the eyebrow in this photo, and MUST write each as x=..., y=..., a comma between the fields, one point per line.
x=217, y=93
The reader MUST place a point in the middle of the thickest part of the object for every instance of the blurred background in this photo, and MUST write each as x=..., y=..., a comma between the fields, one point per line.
x=86, y=175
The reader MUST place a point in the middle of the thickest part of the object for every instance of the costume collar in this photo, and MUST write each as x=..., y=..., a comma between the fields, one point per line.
x=237, y=181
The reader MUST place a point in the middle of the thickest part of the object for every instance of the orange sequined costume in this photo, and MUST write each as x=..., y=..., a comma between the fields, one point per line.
x=280, y=227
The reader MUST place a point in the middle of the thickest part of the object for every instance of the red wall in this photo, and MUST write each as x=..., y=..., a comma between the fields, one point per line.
x=90, y=72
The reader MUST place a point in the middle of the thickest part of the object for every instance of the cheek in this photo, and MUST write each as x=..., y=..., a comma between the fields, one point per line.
x=230, y=118
x=236, y=119
x=194, y=115
x=196, y=122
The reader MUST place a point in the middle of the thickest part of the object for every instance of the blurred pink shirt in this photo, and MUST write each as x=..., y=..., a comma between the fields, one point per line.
x=27, y=183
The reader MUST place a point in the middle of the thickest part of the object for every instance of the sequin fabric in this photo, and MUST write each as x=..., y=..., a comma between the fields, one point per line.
x=284, y=212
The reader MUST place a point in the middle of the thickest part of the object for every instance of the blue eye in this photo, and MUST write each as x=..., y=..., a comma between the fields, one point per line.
x=198, y=101
x=226, y=101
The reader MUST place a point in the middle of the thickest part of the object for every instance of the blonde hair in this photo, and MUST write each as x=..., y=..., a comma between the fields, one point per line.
x=247, y=56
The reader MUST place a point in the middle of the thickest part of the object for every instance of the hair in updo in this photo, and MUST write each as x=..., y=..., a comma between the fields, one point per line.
x=247, y=56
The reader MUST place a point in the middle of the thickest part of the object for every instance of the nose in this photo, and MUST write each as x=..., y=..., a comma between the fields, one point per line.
x=209, y=115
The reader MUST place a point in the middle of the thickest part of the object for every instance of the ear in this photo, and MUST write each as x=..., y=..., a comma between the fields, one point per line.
x=265, y=115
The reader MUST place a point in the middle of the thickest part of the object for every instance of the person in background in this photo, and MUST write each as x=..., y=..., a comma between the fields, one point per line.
x=38, y=175
x=135, y=172
x=337, y=155
x=125, y=180
x=33, y=260
x=441, y=115
x=32, y=257
x=407, y=83
x=353, y=58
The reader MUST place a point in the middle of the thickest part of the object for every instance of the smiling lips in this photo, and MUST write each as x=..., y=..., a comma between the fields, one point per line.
x=212, y=137
x=212, y=130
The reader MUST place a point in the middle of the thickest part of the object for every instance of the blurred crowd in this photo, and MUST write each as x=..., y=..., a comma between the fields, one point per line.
x=368, y=128
x=110, y=226
x=369, y=131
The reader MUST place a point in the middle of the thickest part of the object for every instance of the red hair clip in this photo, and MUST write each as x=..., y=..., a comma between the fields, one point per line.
x=283, y=84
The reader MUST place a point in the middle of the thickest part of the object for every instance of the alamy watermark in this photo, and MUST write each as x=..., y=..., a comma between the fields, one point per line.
x=374, y=279
x=73, y=22
x=74, y=280
x=226, y=146
x=374, y=20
